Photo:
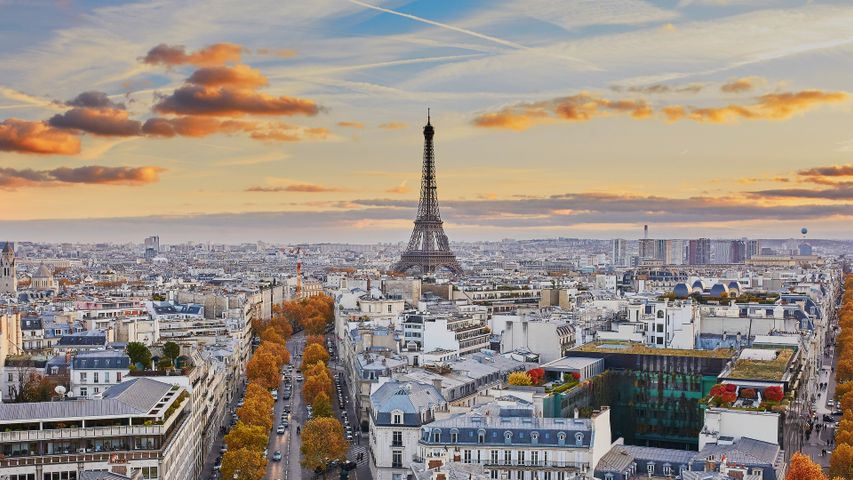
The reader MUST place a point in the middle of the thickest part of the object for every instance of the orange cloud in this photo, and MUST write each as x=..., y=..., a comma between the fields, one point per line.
x=351, y=124
x=227, y=101
x=401, y=188
x=584, y=107
x=283, y=132
x=509, y=119
x=216, y=54
x=298, y=187
x=393, y=125
x=277, y=52
x=193, y=126
x=773, y=106
x=11, y=178
x=36, y=137
x=107, y=122
x=831, y=171
x=238, y=75
x=785, y=105
x=579, y=108
x=741, y=85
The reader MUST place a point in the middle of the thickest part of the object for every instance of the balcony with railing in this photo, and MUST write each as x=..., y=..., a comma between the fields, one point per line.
x=80, y=433
x=78, y=458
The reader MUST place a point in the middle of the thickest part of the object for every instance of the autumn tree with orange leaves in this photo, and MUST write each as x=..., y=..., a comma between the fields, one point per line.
x=263, y=369
x=801, y=467
x=278, y=350
x=323, y=441
x=314, y=353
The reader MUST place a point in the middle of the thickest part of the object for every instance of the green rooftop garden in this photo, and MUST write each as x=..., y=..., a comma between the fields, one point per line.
x=773, y=370
x=640, y=349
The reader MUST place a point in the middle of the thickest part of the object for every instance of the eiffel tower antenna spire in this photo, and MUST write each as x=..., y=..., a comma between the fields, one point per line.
x=428, y=246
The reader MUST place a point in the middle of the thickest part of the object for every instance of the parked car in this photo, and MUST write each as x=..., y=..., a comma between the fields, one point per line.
x=276, y=456
x=279, y=430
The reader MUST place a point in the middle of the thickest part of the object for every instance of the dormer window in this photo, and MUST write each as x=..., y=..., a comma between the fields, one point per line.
x=397, y=417
x=579, y=439
x=534, y=437
x=508, y=436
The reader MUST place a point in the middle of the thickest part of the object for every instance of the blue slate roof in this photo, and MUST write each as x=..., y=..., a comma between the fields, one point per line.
x=89, y=339
x=101, y=360
x=522, y=428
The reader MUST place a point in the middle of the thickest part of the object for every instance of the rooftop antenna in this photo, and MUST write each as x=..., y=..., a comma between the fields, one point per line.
x=428, y=116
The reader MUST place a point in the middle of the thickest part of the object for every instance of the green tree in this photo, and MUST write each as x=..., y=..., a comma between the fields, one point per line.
x=139, y=354
x=172, y=350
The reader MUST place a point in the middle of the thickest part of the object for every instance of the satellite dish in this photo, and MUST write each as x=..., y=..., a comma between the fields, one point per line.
x=70, y=395
x=60, y=390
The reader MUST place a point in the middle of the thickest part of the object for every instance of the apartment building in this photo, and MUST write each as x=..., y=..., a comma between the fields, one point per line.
x=512, y=443
x=138, y=426
x=93, y=372
x=398, y=410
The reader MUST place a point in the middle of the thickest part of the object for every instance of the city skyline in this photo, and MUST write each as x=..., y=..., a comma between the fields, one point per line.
x=301, y=122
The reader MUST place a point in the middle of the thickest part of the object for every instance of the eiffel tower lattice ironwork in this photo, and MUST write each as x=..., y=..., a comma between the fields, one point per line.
x=428, y=247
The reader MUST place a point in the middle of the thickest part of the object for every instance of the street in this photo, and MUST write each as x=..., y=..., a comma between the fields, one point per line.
x=817, y=442
x=289, y=443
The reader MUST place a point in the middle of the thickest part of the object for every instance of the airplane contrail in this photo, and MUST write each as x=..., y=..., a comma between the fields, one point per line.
x=464, y=31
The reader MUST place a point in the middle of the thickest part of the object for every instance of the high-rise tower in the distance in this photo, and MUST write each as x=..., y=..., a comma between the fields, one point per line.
x=428, y=247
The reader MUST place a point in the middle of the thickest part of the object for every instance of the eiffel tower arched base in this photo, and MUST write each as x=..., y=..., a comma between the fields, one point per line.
x=427, y=263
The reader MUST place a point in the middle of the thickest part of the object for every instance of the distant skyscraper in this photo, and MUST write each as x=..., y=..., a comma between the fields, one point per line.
x=152, y=246
x=753, y=248
x=699, y=251
x=428, y=247
x=647, y=249
x=619, y=252
x=8, y=270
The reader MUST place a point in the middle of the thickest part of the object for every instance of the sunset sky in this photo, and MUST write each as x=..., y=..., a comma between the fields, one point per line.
x=291, y=121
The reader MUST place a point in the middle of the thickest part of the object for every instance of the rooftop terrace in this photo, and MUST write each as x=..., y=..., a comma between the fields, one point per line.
x=615, y=346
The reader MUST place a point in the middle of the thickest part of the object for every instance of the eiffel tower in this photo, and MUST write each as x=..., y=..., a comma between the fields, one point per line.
x=428, y=248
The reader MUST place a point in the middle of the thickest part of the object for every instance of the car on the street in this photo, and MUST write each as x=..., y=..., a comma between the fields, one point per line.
x=276, y=456
x=299, y=378
x=279, y=430
x=349, y=437
x=830, y=403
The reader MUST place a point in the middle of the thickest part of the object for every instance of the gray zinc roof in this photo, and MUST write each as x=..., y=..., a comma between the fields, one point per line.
x=410, y=398
x=134, y=397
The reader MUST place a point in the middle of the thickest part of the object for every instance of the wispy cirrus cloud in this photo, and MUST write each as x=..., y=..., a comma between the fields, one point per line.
x=350, y=124
x=11, y=178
